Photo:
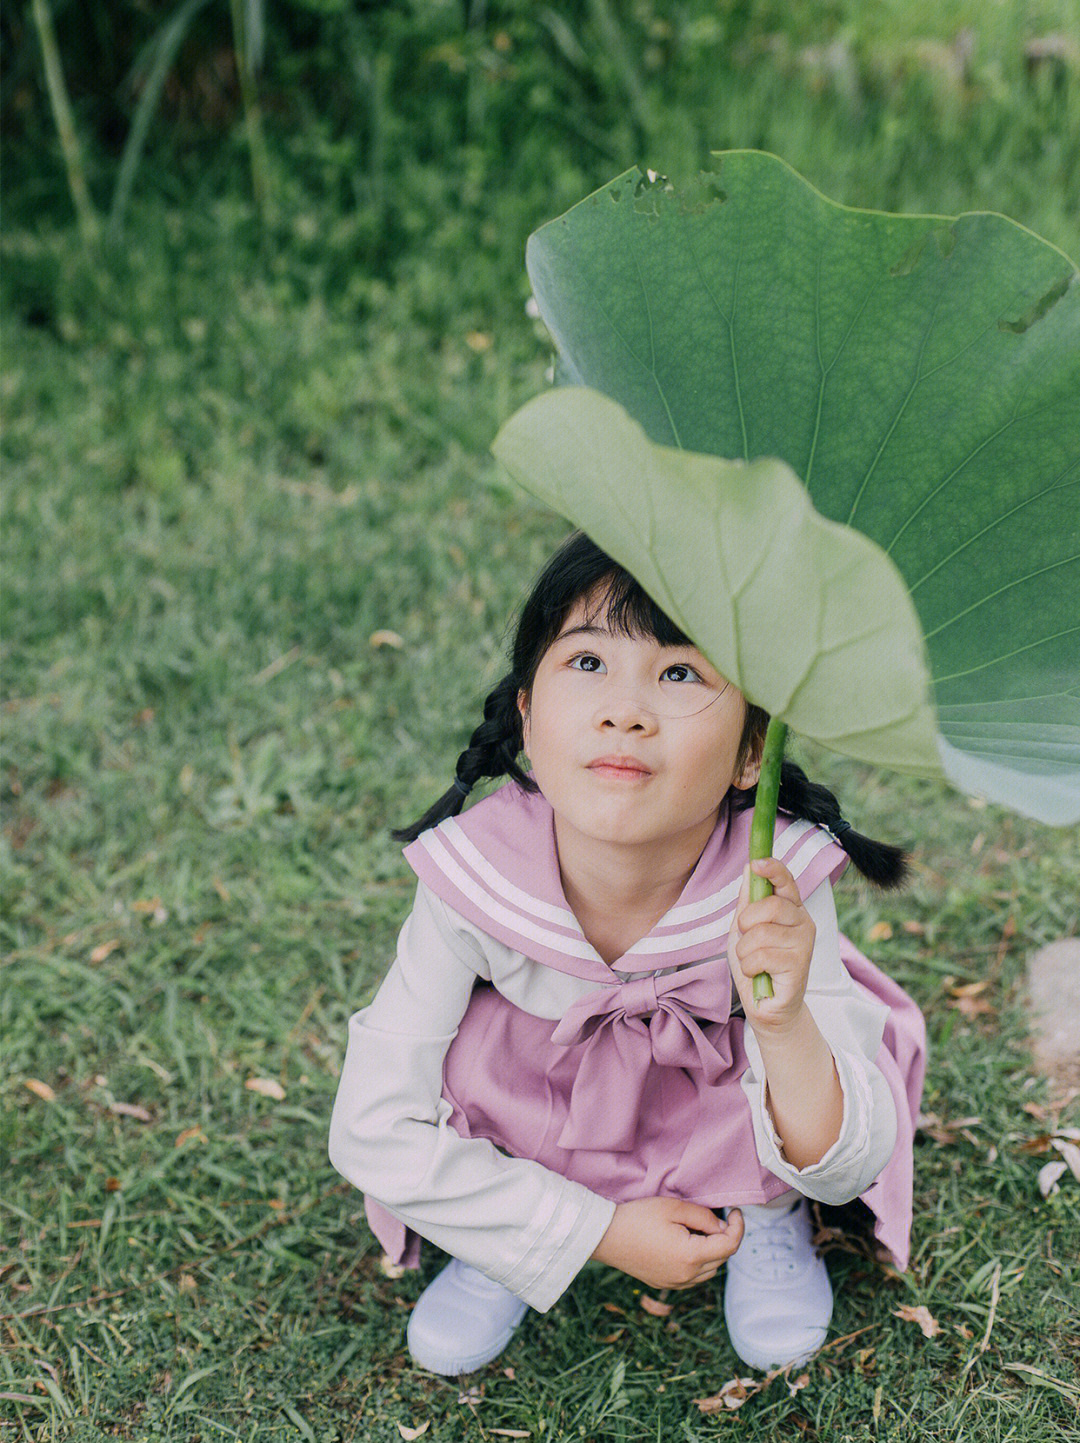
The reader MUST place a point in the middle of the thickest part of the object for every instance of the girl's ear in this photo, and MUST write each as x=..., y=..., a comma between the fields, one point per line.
x=748, y=775
x=523, y=708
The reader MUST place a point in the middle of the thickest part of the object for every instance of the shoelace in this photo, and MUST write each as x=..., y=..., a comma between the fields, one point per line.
x=776, y=1241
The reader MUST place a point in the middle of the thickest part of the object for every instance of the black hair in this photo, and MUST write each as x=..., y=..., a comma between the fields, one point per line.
x=579, y=569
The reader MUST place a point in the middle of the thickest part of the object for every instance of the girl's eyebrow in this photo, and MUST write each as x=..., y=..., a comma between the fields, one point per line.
x=585, y=629
x=588, y=628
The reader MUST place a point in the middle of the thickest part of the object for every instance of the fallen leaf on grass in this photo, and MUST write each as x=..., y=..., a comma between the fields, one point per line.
x=1048, y=1177
x=879, y=932
x=1070, y=1152
x=130, y=1109
x=655, y=1307
x=614, y=1308
x=188, y=1134
x=40, y=1089
x=921, y=1315
x=732, y=1395
x=390, y=1270
x=103, y=949
x=409, y=1433
x=1044, y=1380
x=969, y=1006
x=970, y=989
x=266, y=1087
x=510, y=1432
x=386, y=638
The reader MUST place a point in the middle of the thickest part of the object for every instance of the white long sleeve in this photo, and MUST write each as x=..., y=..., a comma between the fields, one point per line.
x=852, y=1024
x=516, y=1221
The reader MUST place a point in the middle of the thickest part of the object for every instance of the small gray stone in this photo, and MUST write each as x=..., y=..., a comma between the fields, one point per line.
x=1054, y=994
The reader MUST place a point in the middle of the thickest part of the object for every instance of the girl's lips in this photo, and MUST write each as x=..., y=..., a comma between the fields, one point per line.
x=625, y=768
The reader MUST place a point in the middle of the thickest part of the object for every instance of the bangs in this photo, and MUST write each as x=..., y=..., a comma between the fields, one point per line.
x=627, y=609
x=580, y=572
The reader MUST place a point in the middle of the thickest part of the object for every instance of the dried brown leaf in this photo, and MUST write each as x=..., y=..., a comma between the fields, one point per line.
x=386, y=638
x=879, y=932
x=410, y=1433
x=266, y=1087
x=188, y=1134
x=970, y=989
x=130, y=1109
x=104, y=949
x=732, y=1395
x=654, y=1307
x=40, y=1089
x=921, y=1315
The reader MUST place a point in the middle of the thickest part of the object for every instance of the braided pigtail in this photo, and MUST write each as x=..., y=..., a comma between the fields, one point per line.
x=493, y=751
x=879, y=862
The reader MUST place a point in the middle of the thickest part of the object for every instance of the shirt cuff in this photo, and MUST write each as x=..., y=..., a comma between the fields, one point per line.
x=567, y=1241
x=841, y=1172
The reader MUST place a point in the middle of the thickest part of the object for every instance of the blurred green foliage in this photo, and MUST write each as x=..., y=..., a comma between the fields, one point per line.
x=419, y=142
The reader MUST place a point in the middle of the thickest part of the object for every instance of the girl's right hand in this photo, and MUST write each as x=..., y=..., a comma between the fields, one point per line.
x=667, y=1243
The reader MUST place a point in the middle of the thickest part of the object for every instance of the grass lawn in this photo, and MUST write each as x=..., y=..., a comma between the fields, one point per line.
x=258, y=570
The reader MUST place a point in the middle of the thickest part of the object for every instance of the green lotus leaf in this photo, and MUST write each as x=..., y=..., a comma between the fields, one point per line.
x=809, y=618
x=920, y=374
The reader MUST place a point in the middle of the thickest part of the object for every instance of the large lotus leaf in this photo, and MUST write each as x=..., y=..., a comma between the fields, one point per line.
x=921, y=374
x=809, y=618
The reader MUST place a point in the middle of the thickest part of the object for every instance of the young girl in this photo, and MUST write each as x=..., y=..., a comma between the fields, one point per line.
x=565, y=1060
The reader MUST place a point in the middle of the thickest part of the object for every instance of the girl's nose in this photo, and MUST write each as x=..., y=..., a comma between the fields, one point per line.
x=623, y=711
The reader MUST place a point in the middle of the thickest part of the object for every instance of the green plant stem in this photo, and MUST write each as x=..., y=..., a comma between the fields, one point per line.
x=763, y=826
x=89, y=225
x=257, y=152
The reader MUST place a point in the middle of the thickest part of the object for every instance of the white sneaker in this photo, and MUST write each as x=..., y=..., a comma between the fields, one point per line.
x=777, y=1297
x=462, y=1320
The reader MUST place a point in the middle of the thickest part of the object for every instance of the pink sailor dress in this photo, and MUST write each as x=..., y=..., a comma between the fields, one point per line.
x=637, y=1090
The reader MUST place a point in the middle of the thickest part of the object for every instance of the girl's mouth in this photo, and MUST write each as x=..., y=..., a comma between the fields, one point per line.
x=620, y=768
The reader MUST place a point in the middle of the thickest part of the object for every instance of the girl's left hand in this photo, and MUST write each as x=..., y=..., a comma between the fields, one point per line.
x=775, y=935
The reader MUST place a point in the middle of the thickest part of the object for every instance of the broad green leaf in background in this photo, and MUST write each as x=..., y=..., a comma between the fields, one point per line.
x=735, y=554
x=920, y=374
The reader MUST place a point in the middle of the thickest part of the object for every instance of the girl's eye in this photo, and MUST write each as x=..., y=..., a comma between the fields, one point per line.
x=680, y=671
x=586, y=661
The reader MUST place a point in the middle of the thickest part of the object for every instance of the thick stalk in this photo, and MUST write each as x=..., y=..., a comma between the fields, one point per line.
x=763, y=825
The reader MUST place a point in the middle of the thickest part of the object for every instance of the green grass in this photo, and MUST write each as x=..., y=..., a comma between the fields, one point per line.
x=224, y=473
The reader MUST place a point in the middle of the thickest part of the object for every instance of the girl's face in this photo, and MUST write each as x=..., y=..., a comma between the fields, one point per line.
x=631, y=742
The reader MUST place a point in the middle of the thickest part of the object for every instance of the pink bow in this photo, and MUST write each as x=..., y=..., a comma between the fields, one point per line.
x=624, y=1030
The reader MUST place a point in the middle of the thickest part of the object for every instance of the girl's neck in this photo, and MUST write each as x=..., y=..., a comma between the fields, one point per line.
x=619, y=893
